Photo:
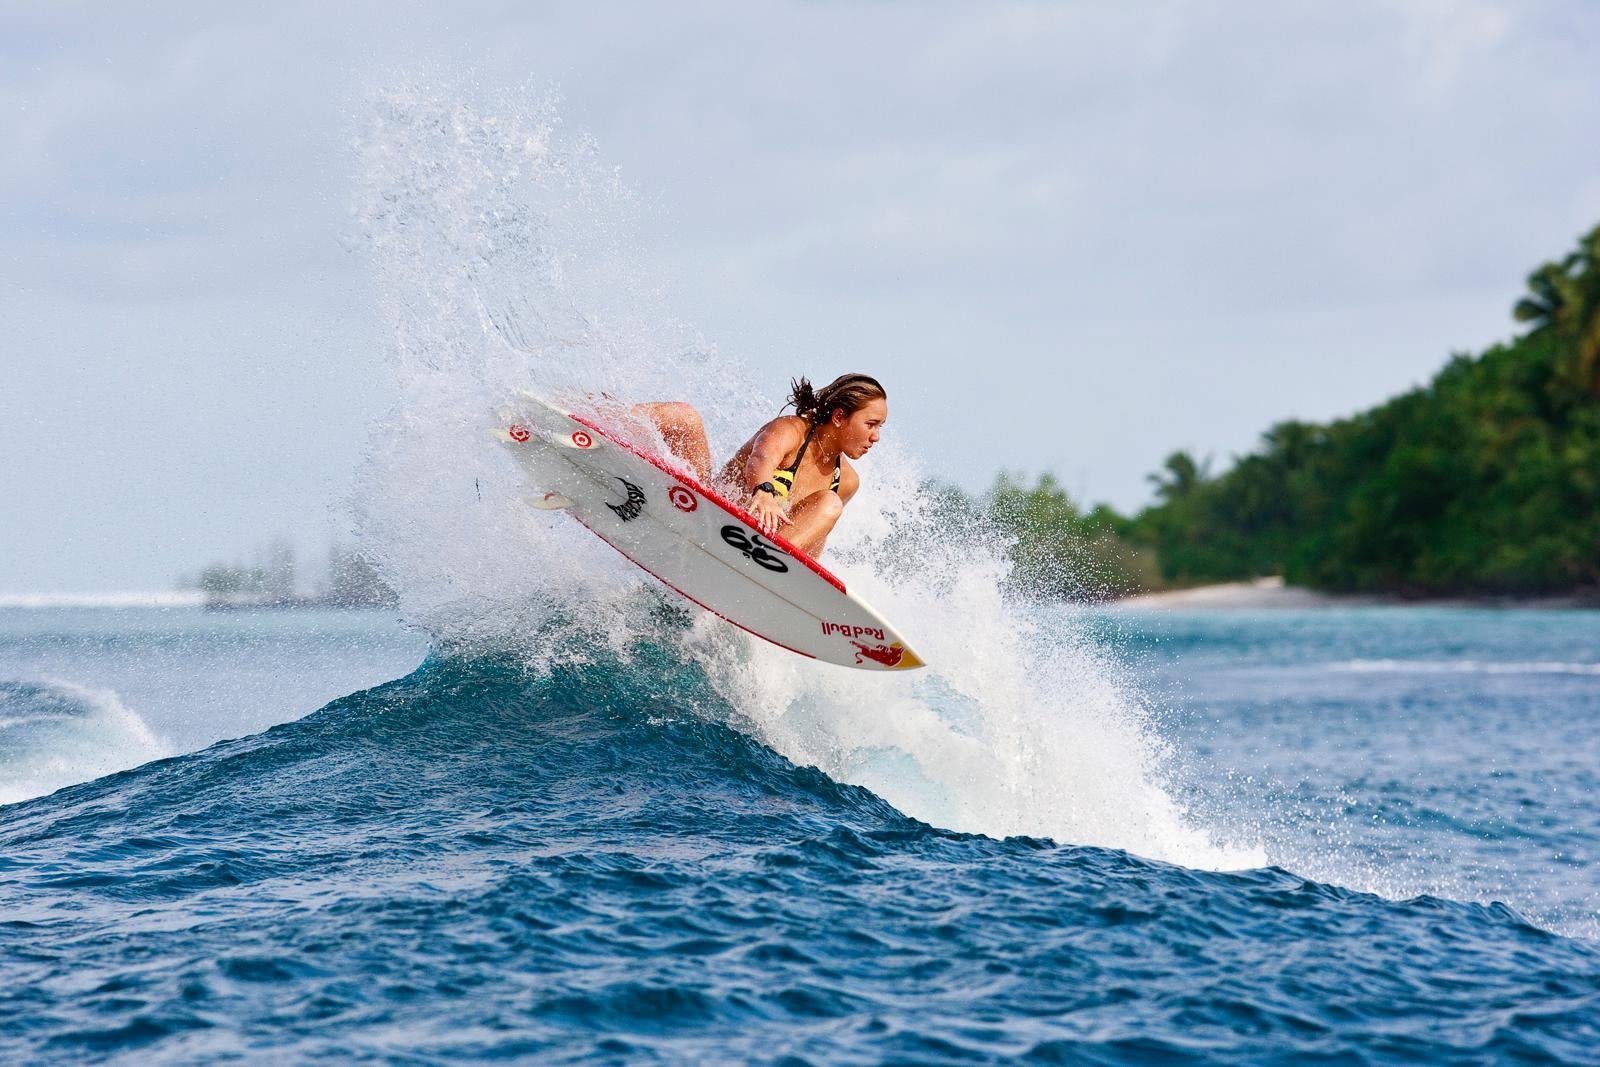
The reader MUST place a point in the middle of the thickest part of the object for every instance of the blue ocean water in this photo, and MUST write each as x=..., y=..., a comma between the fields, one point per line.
x=470, y=854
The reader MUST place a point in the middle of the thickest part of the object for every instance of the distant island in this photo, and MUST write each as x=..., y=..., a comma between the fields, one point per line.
x=273, y=582
x=1484, y=483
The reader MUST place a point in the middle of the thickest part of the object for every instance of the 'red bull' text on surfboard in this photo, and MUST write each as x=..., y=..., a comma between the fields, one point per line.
x=687, y=535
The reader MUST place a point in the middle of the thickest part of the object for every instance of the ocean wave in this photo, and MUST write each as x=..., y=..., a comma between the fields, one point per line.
x=54, y=733
x=483, y=859
x=1463, y=666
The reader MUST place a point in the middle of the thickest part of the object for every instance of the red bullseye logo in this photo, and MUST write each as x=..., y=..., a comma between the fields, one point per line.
x=582, y=440
x=682, y=499
x=518, y=434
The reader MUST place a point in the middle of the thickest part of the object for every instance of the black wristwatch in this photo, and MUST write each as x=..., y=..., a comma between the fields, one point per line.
x=767, y=487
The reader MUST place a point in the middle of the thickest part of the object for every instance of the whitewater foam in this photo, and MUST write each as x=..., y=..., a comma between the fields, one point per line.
x=54, y=733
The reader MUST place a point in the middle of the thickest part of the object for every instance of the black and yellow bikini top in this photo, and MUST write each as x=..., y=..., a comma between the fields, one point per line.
x=783, y=477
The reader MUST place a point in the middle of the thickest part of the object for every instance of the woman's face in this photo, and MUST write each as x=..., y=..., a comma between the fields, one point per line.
x=859, y=431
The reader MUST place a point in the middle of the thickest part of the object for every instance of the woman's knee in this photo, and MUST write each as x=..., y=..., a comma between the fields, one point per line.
x=826, y=504
x=682, y=417
x=672, y=416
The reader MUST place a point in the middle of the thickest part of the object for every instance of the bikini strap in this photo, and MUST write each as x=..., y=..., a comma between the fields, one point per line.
x=794, y=468
x=783, y=478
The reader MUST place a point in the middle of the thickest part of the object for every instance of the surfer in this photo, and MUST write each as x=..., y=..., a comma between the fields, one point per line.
x=794, y=474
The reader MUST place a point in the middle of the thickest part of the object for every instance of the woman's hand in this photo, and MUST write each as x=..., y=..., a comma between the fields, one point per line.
x=768, y=511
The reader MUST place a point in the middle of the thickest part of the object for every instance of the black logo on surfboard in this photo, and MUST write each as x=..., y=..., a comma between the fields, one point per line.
x=755, y=549
x=629, y=509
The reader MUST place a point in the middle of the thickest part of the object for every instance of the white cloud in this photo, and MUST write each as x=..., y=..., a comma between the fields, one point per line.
x=1166, y=224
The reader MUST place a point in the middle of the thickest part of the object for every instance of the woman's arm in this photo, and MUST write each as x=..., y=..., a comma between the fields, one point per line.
x=771, y=443
x=767, y=448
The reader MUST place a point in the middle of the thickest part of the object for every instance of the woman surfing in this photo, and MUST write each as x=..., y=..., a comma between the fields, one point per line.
x=694, y=533
x=794, y=475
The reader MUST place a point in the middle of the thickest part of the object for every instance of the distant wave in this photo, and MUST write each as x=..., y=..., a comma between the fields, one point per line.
x=55, y=733
x=1463, y=666
x=102, y=600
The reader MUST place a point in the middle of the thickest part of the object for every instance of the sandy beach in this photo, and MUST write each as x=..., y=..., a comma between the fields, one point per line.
x=1261, y=593
x=1271, y=592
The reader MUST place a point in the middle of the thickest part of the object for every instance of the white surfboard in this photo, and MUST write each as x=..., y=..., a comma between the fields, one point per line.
x=703, y=546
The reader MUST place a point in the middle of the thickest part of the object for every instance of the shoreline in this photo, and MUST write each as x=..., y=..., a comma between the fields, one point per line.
x=122, y=599
x=179, y=599
x=1271, y=593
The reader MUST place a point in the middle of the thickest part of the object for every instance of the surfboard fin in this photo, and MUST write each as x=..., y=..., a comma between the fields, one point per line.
x=548, y=502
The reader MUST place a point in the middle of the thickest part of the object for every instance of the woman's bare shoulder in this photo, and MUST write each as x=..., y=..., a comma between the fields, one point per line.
x=787, y=428
x=793, y=423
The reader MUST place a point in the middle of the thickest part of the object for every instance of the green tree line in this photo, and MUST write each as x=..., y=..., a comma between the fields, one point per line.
x=1484, y=481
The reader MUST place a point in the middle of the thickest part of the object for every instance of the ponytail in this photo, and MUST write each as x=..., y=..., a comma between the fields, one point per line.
x=804, y=399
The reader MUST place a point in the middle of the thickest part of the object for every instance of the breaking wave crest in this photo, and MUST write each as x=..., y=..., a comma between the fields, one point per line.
x=508, y=257
x=55, y=733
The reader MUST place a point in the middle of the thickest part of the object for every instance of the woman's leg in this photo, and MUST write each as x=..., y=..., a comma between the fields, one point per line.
x=811, y=521
x=684, y=433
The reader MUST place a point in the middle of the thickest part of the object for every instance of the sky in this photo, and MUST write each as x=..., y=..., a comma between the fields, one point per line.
x=1068, y=236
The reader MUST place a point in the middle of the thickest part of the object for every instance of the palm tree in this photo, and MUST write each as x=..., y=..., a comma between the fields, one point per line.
x=1549, y=300
x=1586, y=352
x=1179, y=476
x=1564, y=299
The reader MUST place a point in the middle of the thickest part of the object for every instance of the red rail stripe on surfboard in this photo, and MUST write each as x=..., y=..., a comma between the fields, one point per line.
x=721, y=501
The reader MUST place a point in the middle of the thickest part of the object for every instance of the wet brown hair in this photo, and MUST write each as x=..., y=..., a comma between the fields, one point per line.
x=848, y=393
